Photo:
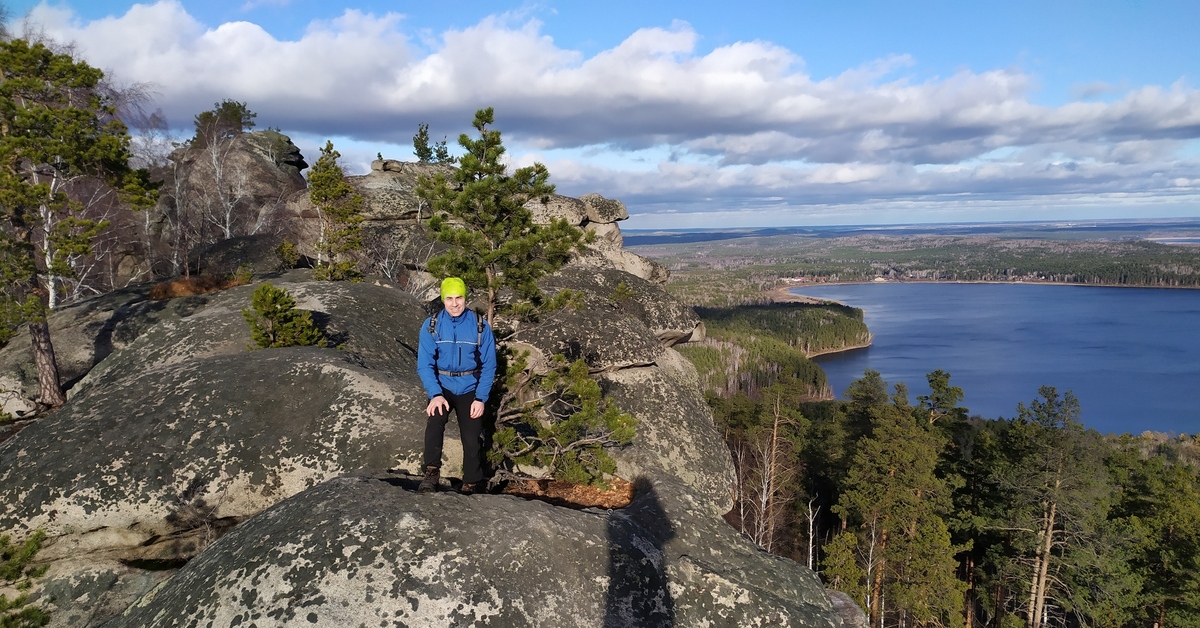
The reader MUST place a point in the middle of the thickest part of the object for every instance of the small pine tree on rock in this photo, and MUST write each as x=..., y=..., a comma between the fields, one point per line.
x=339, y=207
x=438, y=153
x=567, y=430
x=275, y=321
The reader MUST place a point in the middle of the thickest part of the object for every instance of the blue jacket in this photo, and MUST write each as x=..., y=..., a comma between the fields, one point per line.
x=458, y=348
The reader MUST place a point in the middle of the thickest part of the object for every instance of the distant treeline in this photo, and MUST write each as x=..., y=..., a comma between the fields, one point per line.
x=752, y=347
x=1111, y=264
x=929, y=518
x=741, y=271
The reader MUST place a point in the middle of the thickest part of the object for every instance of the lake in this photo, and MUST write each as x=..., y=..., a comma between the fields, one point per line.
x=1131, y=355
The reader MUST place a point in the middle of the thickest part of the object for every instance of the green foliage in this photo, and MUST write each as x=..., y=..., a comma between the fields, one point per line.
x=10, y=319
x=56, y=127
x=421, y=146
x=242, y=276
x=288, y=253
x=750, y=347
x=926, y=514
x=16, y=569
x=275, y=321
x=441, y=154
x=565, y=426
x=894, y=498
x=1157, y=515
x=426, y=154
x=225, y=120
x=340, y=209
x=841, y=567
x=479, y=210
x=810, y=328
x=622, y=293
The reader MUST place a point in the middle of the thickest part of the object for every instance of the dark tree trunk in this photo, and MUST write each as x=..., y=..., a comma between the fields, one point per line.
x=50, y=392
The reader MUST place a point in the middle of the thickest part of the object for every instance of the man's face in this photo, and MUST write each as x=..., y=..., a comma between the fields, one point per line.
x=455, y=305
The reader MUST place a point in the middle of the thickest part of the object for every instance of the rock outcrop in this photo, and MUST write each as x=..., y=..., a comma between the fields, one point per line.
x=389, y=190
x=633, y=296
x=390, y=204
x=189, y=481
x=598, y=215
x=367, y=551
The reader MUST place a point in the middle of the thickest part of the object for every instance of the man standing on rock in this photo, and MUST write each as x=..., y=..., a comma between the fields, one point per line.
x=456, y=360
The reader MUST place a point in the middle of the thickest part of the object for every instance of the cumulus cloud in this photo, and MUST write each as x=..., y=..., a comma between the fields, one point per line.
x=744, y=124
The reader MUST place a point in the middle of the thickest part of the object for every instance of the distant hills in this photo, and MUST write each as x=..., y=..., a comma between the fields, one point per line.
x=1117, y=229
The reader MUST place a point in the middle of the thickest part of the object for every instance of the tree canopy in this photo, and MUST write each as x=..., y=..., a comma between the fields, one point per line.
x=226, y=119
x=57, y=132
x=338, y=206
x=480, y=210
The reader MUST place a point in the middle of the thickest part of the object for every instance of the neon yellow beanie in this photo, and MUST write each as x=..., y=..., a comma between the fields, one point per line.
x=453, y=287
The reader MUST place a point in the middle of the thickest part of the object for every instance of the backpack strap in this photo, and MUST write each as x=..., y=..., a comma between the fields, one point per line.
x=478, y=327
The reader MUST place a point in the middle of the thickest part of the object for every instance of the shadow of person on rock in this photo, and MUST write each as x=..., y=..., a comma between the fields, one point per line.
x=638, y=591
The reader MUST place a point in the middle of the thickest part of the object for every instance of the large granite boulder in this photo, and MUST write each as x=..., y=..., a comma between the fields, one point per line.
x=183, y=400
x=599, y=215
x=279, y=149
x=368, y=551
x=596, y=335
x=180, y=431
x=256, y=254
x=675, y=430
x=676, y=433
x=82, y=334
x=389, y=190
x=255, y=170
x=633, y=296
x=235, y=432
x=851, y=613
x=264, y=472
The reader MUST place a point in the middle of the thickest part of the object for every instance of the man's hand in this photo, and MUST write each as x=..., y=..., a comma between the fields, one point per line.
x=439, y=404
x=476, y=409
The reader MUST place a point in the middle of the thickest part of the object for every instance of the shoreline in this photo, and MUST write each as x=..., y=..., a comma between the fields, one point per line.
x=842, y=350
x=782, y=294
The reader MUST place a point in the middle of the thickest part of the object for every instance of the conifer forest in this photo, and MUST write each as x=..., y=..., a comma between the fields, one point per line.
x=929, y=516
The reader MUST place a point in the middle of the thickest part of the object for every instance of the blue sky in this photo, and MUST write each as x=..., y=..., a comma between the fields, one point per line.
x=700, y=114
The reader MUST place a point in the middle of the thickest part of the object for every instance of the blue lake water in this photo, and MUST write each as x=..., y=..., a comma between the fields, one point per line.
x=1131, y=355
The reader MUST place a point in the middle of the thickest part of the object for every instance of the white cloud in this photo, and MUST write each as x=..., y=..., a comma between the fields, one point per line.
x=742, y=125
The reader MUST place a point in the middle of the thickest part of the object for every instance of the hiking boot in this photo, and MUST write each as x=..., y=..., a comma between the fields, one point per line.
x=433, y=477
x=470, y=488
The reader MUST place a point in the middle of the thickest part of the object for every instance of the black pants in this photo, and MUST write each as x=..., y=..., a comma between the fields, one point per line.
x=471, y=431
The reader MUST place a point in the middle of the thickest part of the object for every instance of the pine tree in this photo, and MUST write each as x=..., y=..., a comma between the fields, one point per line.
x=56, y=129
x=275, y=321
x=1053, y=482
x=1160, y=502
x=339, y=208
x=226, y=119
x=421, y=144
x=569, y=428
x=426, y=154
x=894, y=496
x=479, y=210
